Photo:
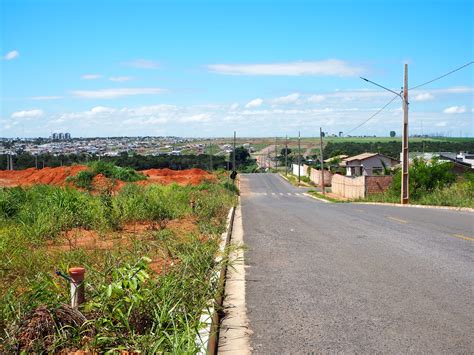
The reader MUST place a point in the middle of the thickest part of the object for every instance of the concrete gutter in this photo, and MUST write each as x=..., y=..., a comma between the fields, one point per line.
x=462, y=209
x=207, y=337
x=234, y=335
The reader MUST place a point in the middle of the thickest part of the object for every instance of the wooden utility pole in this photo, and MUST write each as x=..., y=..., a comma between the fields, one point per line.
x=210, y=154
x=299, y=157
x=286, y=155
x=405, y=188
x=276, y=154
x=233, y=157
x=322, y=159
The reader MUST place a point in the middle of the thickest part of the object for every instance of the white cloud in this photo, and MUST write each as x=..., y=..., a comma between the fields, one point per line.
x=98, y=110
x=201, y=117
x=441, y=124
x=330, y=67
x=46, y=97
x=141, y=115
x=145, y=121
x=150, y=110
x=35, y=113
x=11, y=55
x=234, y=106
x=142, y=64
x=455, y=90
x=424, y=96
x=316, y=98
x=115, y=93
x=120, y=79
x=254, y=103
x=289, y=99
x=91, y=76
x=455, y=109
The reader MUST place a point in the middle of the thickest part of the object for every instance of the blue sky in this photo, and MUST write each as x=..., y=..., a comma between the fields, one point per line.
x=206, y=68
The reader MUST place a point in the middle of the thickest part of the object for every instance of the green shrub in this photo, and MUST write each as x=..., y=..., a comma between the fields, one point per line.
x=424, y=178
x=82, y=179
x=112, y=171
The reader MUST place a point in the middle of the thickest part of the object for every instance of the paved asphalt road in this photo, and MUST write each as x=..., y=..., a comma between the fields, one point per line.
x=354, y=278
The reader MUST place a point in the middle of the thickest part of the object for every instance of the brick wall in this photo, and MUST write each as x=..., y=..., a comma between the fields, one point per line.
x=377, y=184
x=359, y=187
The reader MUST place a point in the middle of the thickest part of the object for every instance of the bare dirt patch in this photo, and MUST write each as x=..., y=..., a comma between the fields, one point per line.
x=57, y=176
x=32, y=176
x=181, y=177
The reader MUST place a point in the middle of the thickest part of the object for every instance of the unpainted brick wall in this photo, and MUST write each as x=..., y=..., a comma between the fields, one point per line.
x=377, y=184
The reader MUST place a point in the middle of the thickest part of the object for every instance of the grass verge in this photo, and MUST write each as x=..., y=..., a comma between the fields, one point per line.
x=458, y=194
x=293, y=179
x=324, y=197
x=149, y=254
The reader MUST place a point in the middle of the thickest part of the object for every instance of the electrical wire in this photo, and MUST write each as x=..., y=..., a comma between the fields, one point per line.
x=375, y=114
x=415, y=87
x=442, y=76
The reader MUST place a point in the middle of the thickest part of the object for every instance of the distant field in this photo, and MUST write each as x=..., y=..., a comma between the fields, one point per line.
x=260, y=143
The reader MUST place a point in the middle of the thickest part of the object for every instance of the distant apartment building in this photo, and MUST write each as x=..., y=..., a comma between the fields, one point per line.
x=60, y=136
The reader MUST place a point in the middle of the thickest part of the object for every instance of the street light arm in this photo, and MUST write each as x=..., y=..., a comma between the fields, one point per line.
x=383, y=87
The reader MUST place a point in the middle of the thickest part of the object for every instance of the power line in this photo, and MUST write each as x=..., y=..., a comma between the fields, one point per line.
x=375, y=114
x=442, y=76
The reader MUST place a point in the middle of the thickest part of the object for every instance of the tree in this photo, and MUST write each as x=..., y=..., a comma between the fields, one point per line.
x=392, y=134
x=241, y=155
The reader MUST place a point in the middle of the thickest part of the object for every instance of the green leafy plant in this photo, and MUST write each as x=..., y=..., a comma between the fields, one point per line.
x=425, y=177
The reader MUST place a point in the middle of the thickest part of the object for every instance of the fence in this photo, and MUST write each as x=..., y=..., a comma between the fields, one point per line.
x=303, y=170
x=359, y=187
x=315, y=176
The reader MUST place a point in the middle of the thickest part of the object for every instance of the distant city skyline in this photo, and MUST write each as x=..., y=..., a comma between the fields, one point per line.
x=205, y=69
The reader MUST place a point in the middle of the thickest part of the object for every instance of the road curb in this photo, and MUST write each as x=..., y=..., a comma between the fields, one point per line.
x=208, y=336
x=234, y=331
x=317, y=198
x=302, y=184
x=460, y=209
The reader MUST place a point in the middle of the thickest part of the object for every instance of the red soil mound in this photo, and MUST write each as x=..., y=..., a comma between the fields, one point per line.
x=49, y=176
x=181, y=177
x=57, y=176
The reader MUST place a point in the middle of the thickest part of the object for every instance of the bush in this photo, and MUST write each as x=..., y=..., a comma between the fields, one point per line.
x=459, y=194
x=424, y=177
x=112, y=171
x=82, y=179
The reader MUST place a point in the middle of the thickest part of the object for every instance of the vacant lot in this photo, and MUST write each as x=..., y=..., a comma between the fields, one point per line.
x=148, y=250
